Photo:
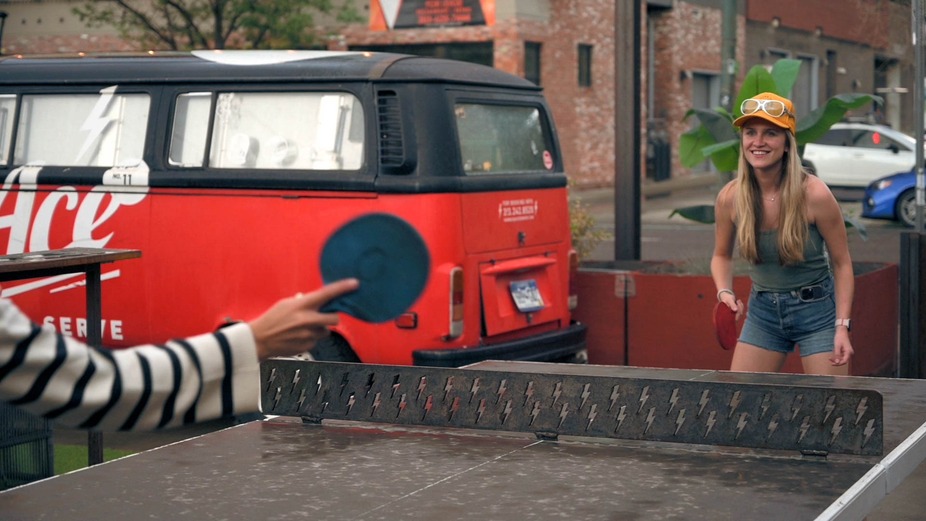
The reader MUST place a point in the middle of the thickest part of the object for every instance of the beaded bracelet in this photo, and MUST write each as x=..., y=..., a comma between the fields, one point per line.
x=725, y=290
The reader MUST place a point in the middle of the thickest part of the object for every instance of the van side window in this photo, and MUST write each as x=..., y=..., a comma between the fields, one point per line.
x=190, y=129
x=501, y=139
x=7, y=108
x=285, y=130
x=105, y=129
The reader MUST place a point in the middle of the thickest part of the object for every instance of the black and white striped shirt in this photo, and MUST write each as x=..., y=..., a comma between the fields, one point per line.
x=144, y=387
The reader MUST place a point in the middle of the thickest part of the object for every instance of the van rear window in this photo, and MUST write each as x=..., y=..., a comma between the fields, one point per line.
x=498, y=139
x=105, y=129
x=268, y=130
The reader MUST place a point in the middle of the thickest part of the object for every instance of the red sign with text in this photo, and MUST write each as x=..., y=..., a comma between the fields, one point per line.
x=404, y=14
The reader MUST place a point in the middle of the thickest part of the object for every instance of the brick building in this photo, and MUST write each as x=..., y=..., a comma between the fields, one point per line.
x=568, y=47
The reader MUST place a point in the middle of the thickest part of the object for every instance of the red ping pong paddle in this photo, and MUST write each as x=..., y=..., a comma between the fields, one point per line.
x=725, y=325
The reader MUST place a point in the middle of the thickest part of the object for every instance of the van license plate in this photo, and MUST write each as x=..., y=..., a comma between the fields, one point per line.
x=526, y=295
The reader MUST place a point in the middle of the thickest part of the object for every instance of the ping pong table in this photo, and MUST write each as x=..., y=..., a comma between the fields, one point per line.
x=519, y=440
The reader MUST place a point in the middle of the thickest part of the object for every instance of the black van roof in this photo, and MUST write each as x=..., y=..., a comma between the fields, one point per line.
x=237, y=65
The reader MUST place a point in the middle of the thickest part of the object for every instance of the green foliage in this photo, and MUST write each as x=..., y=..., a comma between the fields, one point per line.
x=214, y=24
x=585, y=233
x=73, y=457
x=716, y=139
x=701, y=213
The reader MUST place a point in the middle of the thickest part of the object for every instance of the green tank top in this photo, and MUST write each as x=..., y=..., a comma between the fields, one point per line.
x=770, y=275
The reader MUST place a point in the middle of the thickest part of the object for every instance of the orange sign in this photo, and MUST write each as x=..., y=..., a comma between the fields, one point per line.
x=405, y=14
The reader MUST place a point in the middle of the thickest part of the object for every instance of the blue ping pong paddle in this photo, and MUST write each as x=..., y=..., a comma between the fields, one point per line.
x=389, y=258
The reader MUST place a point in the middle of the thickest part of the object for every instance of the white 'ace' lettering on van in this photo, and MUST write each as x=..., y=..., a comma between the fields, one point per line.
x=27, y=234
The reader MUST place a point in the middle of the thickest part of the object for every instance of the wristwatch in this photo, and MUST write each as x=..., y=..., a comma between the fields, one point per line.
x=844, y=322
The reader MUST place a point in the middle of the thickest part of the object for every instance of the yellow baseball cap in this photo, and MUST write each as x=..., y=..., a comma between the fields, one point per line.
x=772, y=108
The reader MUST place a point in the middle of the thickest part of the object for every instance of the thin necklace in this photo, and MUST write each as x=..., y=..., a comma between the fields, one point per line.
x=772, y=198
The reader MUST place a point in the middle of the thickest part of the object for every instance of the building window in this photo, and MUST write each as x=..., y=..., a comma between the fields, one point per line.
x=705, y=94
x=585, y=65
x=532, y=62
x=804, y=92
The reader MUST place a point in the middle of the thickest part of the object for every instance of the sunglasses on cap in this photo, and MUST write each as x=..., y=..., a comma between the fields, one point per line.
x=772, y=107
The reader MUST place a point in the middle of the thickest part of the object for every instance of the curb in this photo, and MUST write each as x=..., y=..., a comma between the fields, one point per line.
x=657, y=188
x=651, y=188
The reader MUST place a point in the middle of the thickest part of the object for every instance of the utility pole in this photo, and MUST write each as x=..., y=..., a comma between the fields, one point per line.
x=627, y=145
x=912, y=359
x=918, y=110
x=728, y=54
x=3, y=16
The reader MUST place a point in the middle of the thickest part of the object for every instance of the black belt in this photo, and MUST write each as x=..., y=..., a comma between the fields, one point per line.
x=815, y=292
x=805, y=293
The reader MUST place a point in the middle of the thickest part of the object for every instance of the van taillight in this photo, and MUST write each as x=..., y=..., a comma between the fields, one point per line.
x=456, y=302
x=573, y=278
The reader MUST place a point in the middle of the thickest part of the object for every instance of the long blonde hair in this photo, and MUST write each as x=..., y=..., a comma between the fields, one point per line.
x=792, y=220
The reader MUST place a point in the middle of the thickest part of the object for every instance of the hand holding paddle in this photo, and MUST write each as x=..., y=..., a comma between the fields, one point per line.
x=387, y=256
x=293, y=325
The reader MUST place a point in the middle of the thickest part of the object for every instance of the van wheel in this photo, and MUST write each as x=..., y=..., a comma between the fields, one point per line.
x=333, y=348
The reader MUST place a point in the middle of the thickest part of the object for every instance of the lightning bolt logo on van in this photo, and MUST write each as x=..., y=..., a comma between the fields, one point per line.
x=96, y=123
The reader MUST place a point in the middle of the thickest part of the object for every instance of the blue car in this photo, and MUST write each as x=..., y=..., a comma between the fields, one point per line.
x=892, y=197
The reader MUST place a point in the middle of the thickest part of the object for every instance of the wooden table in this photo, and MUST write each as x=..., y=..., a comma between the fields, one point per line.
x=71, y=260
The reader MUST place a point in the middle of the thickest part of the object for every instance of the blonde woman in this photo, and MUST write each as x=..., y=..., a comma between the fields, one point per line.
x=789, y=227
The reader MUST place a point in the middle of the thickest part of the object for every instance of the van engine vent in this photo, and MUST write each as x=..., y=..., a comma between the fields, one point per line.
x=390, y=129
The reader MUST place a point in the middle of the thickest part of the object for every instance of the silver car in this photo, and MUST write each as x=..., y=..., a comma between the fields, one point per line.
x=855, y=154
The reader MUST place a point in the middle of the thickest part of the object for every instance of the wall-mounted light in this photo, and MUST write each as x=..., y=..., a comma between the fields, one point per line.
x=818, y=32
x=776, y=22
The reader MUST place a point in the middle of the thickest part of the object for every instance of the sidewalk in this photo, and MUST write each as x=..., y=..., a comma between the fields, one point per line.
x=659, y=199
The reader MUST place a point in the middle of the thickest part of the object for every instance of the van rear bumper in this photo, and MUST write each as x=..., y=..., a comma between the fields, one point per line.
x=541, y=348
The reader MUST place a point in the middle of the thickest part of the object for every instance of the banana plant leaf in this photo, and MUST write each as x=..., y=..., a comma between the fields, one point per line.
x=779, y=80
x=702, y=213
x=815, y=124
x=715, y=139
x=725, y=155
x=858, y=226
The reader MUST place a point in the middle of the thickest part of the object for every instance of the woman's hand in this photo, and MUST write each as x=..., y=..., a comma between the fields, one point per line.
x=293, y=325
x=735, y=304
x=842, y=347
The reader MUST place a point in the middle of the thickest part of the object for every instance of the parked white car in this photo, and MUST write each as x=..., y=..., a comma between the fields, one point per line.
x=855, y=154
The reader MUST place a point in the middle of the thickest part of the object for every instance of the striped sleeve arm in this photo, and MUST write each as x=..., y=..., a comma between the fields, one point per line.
x=140, y=388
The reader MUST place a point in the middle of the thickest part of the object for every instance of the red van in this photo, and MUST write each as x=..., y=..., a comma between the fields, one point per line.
x=230, y=169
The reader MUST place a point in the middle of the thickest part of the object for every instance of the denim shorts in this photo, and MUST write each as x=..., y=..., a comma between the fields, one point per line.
x=778, y=321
